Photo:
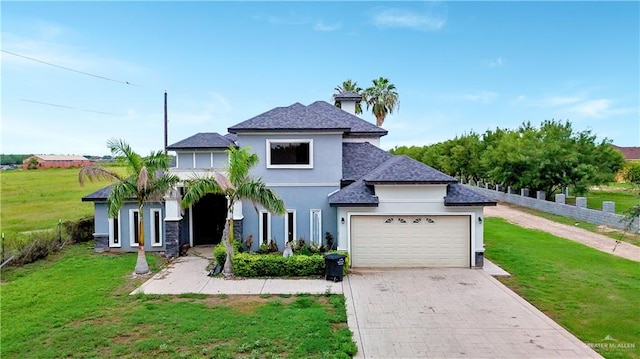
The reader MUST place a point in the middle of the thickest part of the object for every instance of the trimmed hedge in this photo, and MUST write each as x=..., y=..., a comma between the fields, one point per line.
x=275, y=265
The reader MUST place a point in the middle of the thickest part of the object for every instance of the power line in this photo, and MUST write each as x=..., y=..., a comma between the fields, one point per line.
x=67, y=68
x=69, y=107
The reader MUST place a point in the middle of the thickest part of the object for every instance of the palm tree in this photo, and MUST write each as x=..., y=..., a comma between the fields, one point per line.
x=383, y=97
x=145, y=181
x=236, y=185
x=348, y=86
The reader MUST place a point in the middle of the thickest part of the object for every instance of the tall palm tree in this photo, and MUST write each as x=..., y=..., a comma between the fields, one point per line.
x=146, y=180
x=348, y=86
x=236, y=185
x=383, y=97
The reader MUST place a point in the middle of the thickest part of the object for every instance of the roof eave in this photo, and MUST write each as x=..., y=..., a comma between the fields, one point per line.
x=469, y=204
x=262, y=130
x=407, y=182
x=353, y=204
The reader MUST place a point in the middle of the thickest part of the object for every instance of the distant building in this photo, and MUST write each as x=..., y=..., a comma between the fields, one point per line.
x=49, y=161
x=630, y=153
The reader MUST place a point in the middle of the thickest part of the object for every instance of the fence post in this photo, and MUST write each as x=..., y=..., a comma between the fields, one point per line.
x=60, y=230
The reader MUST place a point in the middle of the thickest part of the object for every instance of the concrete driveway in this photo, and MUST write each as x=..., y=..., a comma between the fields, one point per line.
x=449, y=313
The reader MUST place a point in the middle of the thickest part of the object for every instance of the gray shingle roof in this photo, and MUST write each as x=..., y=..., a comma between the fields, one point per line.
x=318, y=116
x=357, y=194
x=201, y=141
x=100, y=195
x=356, y=124
x=358, y=159
x=405, y=170
x=461, y=195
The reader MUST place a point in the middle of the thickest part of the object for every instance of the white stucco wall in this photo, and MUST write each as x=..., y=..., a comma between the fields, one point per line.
x=412, y=200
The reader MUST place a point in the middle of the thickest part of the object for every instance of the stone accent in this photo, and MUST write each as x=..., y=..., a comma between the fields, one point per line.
x=609, y=207
x=479, y=259
x=237, y=229
x=101, y=242
x=579, y=211
x=172, y=238
x=560, y=198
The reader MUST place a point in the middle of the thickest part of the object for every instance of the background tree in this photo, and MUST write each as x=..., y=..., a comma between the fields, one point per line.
x=545, y=158
x=631, y=174
x=348, y=86
x=236, y=185
x=382, y=97
x=146, y=180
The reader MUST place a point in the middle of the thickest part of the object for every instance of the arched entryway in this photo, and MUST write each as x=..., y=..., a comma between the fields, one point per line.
x=208, y=216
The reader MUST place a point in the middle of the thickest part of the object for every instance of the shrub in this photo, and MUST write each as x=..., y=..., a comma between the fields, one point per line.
x=275, y=265
x=35, y=246
x=80, y=230
x=220, y=254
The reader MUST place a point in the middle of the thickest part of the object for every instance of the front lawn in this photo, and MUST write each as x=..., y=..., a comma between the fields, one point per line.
x=593, y=294
x=76, y=304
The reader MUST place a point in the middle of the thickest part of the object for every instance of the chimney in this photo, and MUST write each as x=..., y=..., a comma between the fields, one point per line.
x=348, y=101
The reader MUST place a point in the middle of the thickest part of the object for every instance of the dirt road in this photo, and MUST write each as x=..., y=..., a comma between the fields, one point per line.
x=574, y=233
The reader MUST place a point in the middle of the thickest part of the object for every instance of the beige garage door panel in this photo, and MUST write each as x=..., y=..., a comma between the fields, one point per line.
x=410, y=241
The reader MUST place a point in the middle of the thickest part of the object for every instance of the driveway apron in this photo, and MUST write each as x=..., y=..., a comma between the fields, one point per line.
x=449, y=313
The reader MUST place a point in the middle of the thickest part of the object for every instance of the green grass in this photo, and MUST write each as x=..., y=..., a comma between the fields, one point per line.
x=614, y=234
x=76, y=304
x=621, y=193
x=591, y=293
x=36, y=199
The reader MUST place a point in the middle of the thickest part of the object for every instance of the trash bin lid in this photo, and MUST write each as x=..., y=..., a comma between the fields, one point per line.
x=335, y=256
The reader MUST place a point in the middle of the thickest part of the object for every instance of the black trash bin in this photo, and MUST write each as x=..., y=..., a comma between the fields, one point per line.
x=335, y=264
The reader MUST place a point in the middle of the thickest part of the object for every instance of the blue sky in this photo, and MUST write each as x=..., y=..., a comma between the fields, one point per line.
x=458, y=66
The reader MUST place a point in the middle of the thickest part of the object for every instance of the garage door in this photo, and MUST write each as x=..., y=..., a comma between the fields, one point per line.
x=410, y=241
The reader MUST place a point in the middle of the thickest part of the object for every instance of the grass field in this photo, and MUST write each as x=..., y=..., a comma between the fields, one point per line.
x=592, y=294
x=76, y=304
x=622, y=194
x=33, y=200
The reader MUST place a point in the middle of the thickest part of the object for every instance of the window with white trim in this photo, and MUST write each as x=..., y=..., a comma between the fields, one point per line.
x=156, y=227
x=290, y=225
x=114, y=232
x=290, y=153
x=315, y=226
x=134, y=227
x=265, y=227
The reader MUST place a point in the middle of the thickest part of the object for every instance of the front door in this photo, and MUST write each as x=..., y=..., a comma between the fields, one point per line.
x=209, y=214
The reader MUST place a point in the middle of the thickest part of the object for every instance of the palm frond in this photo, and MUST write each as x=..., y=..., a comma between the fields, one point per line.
x=96, y=173
x=198, y=187
x=240, y=162
x=257, y=191
x=120, y=193
x=122, y=151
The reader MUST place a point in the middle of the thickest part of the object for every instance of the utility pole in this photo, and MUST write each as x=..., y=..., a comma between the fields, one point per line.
x=166, y=126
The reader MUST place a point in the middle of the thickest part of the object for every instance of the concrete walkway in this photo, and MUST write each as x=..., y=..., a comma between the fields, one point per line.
x=189, y=275
x=574, y=233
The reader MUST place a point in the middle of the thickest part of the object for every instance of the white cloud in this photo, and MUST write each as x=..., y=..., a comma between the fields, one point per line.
x=495, y=63
x=402, y=18
x=593, y=108
x=321, y=26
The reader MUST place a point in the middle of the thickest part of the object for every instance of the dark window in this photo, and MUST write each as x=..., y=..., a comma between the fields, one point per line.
x=290, y=226
x=291, y=153
x=136, y=227
x=156, y=227
x=265, y=227
x=116, y=233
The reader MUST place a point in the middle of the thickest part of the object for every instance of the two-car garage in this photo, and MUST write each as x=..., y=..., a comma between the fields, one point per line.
x=410, y=240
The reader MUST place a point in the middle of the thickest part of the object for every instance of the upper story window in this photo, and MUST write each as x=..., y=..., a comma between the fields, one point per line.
x=290, y=153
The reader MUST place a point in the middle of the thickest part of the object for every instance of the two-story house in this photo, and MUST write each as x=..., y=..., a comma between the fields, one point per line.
x=326, y=164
